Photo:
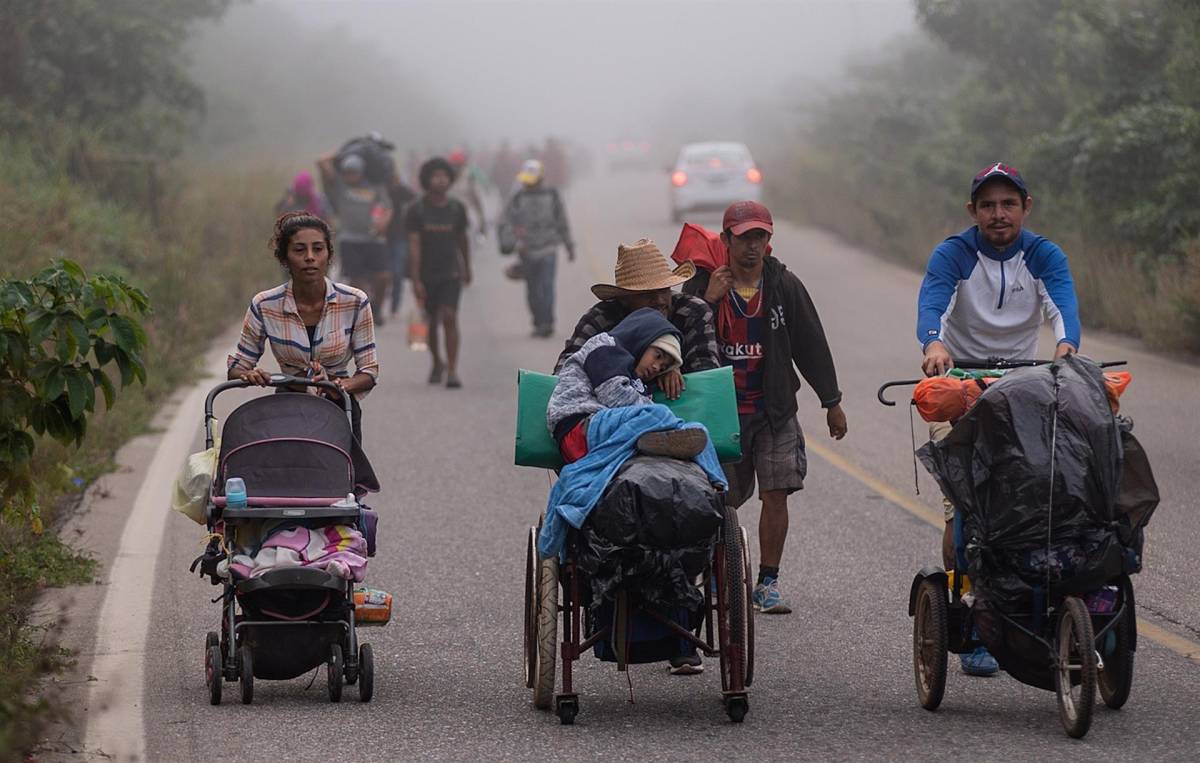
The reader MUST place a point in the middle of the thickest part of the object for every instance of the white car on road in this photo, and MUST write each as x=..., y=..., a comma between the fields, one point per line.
x=711, y=176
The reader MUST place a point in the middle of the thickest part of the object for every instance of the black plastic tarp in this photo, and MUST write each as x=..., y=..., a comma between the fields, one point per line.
x=652, y=533
x=995, y=466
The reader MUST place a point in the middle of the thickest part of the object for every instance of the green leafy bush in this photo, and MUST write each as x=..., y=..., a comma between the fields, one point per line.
x=60, y=334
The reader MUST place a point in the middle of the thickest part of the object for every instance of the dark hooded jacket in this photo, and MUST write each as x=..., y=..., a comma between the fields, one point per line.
x=601, y=373
x=794, y=340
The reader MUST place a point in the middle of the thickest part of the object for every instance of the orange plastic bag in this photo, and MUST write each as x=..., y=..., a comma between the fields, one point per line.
x=1116, y=382
x=945, y=398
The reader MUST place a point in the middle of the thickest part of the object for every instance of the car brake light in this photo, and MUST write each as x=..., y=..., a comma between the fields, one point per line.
x=753, y=175
x=679, y=177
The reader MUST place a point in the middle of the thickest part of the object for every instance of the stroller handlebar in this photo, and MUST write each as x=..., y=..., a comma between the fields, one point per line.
x=975, y=364
x=276, y=380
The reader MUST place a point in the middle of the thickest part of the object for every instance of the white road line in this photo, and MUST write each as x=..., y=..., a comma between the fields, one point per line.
x=115, y=700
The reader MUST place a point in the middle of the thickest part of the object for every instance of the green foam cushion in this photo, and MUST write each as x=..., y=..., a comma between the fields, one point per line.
x=708, y=398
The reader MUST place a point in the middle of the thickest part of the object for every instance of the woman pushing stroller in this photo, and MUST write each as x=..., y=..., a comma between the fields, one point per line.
x=315, y=326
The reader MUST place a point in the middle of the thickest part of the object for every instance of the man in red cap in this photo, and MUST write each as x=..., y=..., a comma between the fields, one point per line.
x=767, y=328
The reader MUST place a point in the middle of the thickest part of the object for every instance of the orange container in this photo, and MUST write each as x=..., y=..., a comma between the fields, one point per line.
x=372, y=606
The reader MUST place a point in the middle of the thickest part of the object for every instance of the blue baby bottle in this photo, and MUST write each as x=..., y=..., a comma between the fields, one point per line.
x=235, y=493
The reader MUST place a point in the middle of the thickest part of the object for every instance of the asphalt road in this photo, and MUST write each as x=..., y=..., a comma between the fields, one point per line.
x=834, y=679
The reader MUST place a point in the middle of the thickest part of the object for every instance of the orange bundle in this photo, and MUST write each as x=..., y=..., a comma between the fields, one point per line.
x=372, y=606
x=1115, y=383
x=947, y=398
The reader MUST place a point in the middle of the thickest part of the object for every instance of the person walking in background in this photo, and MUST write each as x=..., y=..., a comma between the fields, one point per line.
x=537, y=222
x=401, y=195
x=303, y=196
x=439, y=263
x=364, y=211
x=468, y=186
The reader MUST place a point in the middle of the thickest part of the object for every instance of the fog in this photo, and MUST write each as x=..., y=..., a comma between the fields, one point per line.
x=431, y=74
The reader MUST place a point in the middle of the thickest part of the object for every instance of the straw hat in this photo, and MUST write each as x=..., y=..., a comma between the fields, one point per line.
x=642, y=267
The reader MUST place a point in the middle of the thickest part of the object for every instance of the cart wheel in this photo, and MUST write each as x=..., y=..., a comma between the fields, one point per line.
x=246, y=672
x=749, y=609
x=736, y=605
x=1075, y=678
x=930, y=643
x=333, y=673
x=212, y=639
x=567, y=709
x=547, y=633
x=1116, y=679
x=212, y=673
x=531, y=607
x=366, y=673
x=736, y=708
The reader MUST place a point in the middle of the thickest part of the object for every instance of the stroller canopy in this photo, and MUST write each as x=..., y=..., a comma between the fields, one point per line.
x=292, y=445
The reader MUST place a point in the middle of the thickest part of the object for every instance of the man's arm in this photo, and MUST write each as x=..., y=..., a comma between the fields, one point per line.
x=1049, y=265
x=562, y=226
x=810, y=348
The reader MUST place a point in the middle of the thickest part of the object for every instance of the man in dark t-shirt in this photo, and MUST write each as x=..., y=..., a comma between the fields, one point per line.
x=439, y=263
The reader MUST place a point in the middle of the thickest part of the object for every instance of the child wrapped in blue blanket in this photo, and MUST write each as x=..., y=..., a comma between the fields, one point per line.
x=615, y=369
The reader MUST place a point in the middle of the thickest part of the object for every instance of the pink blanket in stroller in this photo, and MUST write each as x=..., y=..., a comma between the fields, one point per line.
x=338, y=549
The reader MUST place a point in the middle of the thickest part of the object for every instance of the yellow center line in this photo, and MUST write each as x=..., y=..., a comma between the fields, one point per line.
x=1186, y=648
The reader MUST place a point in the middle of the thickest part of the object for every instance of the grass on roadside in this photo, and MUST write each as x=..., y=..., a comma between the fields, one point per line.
x=199, y=269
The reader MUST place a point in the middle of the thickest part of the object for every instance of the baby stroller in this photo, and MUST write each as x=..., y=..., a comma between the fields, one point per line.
x=1052, y=493
x=660, y=563
x=302, y=467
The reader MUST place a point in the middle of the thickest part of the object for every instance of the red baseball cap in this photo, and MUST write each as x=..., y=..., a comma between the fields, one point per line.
x=742, y=216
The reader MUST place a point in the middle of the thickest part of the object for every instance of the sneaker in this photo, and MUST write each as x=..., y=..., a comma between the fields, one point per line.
x=979, y=663
x=768, y=600
x=435, y=375
x=686, y=665
x=674, y=443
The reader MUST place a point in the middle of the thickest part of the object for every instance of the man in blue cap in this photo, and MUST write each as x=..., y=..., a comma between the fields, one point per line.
x=985, y=295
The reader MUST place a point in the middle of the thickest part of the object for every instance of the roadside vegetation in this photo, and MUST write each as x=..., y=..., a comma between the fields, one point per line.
x=159, y=257
x=1098, y=105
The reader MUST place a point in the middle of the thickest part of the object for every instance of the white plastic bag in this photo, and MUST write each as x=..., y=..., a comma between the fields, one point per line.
x=194, y=482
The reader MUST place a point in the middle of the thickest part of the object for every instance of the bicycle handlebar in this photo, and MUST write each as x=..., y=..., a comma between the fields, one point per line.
x=974, y=364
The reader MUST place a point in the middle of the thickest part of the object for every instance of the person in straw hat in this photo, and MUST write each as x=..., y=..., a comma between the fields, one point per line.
x=645, y=278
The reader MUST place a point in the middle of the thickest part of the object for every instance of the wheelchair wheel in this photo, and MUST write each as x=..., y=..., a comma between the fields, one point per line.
x=735, y=617
x=1075, y=676
x=930, y=643
x=529, y=647
x=1117, y=646
x=749, y=609
x=547, y=633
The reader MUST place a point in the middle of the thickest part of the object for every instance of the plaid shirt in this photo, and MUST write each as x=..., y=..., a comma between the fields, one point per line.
x=691, y=315
x=345, y=331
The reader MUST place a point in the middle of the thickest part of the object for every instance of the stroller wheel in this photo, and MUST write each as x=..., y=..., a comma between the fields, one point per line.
x=1075, y=677
x=366, y=673
x=333, y=672
x=247, y=675
x=213, y=674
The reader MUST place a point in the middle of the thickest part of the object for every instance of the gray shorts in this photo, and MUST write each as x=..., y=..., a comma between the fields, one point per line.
x=775, y=456
x=938, y=431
